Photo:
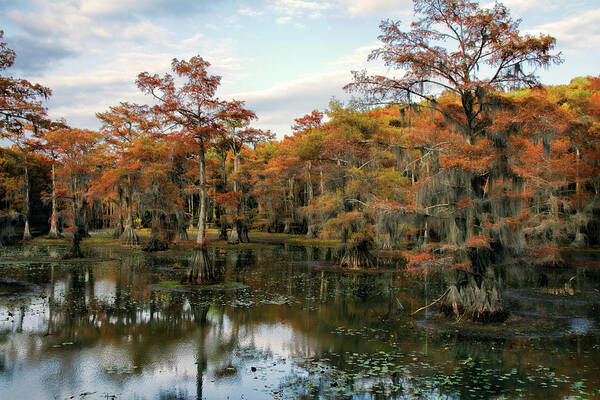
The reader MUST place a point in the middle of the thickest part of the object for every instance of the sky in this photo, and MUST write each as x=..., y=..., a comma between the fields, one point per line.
x=283, y=57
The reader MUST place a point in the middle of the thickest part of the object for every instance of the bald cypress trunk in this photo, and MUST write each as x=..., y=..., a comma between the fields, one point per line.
x=222, y=218
x=129, y=237
x=580, y=240
x=477, y=294
x=182, y=225
x=356, y=254
x=291, y=204
x=79, y=231
x=121, y=223
x=75, y=248
x=203, y=197
x=312, y=225
x=158, y=241
x=201, y=270
x=26, y=232
x=239, y=230
x=235, y=234
x=321, y=182
x=54, y=233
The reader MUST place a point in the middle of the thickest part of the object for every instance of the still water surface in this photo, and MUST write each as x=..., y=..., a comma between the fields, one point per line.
x=290, y=328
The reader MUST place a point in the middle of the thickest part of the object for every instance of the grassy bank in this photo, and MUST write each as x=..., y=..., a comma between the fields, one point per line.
x=104, y=237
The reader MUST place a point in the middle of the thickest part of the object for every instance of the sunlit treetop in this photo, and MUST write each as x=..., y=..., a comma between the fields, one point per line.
x=21, y=102
x=459, y=47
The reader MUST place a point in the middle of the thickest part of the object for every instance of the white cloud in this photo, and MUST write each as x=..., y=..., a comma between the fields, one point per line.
x=144, y=31
x=299, y=88
x=283, y=20
x=109, y=7
x=280, y=104
x=356, y=60
x=293, y=7
x=521, y=6
x=127, y=9
x=298, y=9
x=580, y=31
x=248, y=12
x=78, y=96
x=87, y=23
x=65, y=25
x=369, y=7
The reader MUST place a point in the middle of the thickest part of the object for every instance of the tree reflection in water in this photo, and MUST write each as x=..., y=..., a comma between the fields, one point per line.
x=193, y=343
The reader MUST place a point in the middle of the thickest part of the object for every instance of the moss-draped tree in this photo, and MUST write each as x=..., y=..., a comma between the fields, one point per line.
x=193, y=107
x=22, y=113
x=469, y=52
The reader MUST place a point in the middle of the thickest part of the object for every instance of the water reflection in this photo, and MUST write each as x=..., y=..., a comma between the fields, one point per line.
x=293, y=326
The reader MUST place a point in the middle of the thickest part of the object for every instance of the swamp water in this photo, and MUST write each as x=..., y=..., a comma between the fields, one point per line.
x=283, y=325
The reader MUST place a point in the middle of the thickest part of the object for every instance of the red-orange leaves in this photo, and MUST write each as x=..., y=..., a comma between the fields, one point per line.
x=547, y=255
x=477, y=158
x=308, y=122
x=464, y=202
x=479, y=241
x=425, y=262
